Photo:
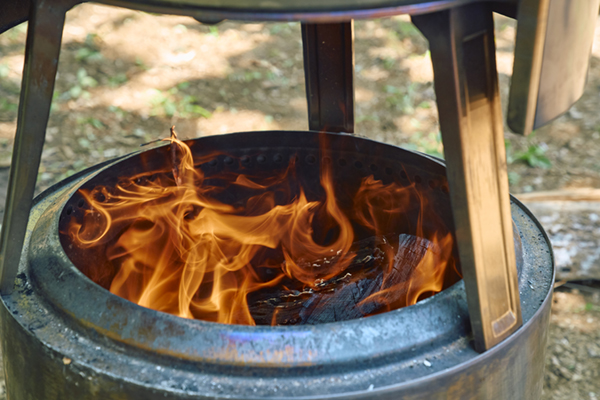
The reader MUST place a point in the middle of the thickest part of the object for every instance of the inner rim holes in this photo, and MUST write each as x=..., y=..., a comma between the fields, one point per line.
x=70, y=209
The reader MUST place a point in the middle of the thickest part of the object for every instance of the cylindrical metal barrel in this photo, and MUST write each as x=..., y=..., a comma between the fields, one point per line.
x=64, y=337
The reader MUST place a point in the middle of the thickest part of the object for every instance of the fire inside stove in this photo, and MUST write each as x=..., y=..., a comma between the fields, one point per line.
x=272, y=254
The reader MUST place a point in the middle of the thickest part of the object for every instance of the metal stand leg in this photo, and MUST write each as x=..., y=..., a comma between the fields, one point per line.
x=466, y=84
x=41, y=62
x=329, y=75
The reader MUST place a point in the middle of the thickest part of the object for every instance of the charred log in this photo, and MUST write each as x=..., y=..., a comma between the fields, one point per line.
x=370, y=282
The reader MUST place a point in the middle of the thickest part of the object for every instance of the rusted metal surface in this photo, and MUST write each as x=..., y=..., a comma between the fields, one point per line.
x=466, y=84
x=82, y=342
x=329, y=76
x=41, y=62
x=552, y=52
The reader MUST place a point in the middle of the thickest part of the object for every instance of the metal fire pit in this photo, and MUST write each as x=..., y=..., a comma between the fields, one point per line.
x=81, y=342
x=64, y=337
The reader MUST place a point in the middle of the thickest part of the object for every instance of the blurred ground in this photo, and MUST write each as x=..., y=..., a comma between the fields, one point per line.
x=573, y=354
x=125, y=77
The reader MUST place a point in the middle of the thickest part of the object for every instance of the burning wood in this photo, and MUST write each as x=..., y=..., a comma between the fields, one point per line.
x=272, y=256
x=365, y=287
x=335, y=299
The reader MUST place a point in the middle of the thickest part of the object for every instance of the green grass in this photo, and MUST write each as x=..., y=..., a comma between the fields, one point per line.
x=213, y=31
x=430, y=143
x=119, y=112
x=7, y=106
x=591, y=307
x=534, y=155
x=91, y=121
x=401, y=99
x=172, y=103
x=117, y=80
x=84, y=82
x=90, y=51
x=245, y=76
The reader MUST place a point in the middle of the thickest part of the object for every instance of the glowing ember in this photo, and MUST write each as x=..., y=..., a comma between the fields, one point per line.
x=272, y=257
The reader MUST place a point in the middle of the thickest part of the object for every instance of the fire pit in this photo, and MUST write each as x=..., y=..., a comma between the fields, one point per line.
x=481, y=337
x=89, y=343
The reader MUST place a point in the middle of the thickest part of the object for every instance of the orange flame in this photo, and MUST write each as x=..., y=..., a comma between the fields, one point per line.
x=174, y=248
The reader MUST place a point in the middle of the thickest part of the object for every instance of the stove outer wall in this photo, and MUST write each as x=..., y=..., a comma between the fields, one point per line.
x=512, y=370
x=36, y=372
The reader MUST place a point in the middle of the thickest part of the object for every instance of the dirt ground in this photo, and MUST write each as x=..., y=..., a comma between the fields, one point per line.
x=125, y=77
